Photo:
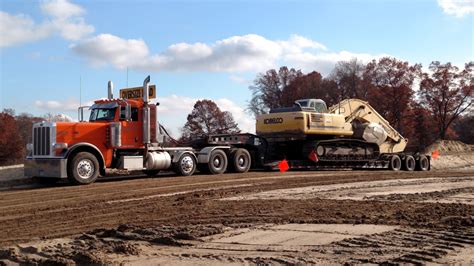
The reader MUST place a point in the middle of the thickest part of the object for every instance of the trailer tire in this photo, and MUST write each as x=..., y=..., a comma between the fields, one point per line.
x=186, y=165
x=83, y=169
x=395, y=163
x=409, y=163
x=217, y=162
x=423, y=164
x=240, y=160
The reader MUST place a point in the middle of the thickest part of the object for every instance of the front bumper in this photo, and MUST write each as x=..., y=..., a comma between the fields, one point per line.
x=54, y=167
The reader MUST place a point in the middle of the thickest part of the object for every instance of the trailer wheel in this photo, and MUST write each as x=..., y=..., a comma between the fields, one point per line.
x=186, y=165
x=409, y=163
x=83, y=169
x=151, y=172
x=395, y=163
x=240, y=160
x=217, y=162
x=423, y=164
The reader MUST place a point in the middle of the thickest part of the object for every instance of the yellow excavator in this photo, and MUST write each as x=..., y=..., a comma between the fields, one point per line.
x=351, y=133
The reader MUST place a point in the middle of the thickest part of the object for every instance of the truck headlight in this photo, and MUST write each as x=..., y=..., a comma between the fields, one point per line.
x=60, y=146
x=29, y=147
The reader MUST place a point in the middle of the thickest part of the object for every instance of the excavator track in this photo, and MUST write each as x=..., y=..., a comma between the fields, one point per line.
x=341, y=150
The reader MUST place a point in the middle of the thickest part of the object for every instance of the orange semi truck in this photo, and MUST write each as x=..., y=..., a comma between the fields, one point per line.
x=124, y=133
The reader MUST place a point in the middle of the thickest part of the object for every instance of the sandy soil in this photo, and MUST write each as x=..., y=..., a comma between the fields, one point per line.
x=446, y=190
x=321, y=217
x=312, y=217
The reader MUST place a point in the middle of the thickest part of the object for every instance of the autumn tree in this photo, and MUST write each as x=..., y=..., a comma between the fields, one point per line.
x=422, y=132
x=390, y=90
x=207, y=118
x=464, y=128
x=11, y=149
x=348, y=76
x=267, y=90
x=305, y=86
x=447, y=92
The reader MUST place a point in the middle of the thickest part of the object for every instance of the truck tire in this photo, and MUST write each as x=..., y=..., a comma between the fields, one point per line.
x=151, y=172
x=409, y=163
x=83, y=169
x=423, y=164
x=395, y=163
x=186, y=165
x=240, y=161
x=217, y=162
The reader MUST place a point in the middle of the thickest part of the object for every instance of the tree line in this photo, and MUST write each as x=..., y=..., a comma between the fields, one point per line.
x=421, y=105
x=15, y=133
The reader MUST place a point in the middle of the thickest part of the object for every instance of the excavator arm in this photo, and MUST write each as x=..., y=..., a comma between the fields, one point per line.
x=360, y=111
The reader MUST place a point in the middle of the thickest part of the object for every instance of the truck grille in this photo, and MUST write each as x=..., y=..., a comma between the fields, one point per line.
x=41, y=141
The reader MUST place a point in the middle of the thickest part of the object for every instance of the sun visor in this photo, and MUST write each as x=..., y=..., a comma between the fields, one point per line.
x=104, y=105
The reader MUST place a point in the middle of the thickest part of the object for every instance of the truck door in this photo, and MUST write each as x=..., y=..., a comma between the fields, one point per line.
x=132, y=135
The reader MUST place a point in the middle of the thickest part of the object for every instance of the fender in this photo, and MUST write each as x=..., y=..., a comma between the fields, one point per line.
x=86, y=144
x=178, y=154
x=204, y=154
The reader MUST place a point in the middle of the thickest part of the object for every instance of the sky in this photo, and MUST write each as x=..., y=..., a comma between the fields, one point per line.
x=58, y=54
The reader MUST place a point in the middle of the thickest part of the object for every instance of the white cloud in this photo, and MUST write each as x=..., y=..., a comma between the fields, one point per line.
x=18, y=29
x=458, y=8
x=324, y=62
x=244, y=120
x=109, y=49
x=61, y=9
x=173, y=111
x=234, y=54
x=61, y=17
x=67, y=19
x=240, y=80
x=64, y=106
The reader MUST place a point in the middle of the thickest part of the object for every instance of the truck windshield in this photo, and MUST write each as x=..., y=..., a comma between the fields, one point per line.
x=102, y=114
x=320, y=107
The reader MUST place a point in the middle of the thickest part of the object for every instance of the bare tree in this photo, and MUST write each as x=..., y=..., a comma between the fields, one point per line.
x=348, y=76
x=206, y=118
x=390, y=84
x=267, y=91
x=447, y=92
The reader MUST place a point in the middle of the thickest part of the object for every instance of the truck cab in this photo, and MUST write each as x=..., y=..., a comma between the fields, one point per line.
x=121, y=133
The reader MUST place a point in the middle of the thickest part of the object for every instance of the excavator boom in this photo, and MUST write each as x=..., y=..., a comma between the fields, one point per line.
x=355, y=110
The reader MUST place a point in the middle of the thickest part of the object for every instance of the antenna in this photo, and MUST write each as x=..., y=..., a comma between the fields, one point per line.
x=127, y=77
x=80, y=90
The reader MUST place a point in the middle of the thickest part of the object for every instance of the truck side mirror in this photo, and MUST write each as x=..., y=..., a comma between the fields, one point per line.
x=128, y=112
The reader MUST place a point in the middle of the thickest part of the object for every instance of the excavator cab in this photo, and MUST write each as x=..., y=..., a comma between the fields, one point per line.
x=307, y=117
x=312, y=105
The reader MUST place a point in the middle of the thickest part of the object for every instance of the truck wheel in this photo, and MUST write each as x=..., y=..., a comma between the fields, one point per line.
x=409, y=163
x=83, y=169
x=423, y=163
x=240, y=160
x=186, y=165
x=395, y=163
x=217, y=162
x=151, y=172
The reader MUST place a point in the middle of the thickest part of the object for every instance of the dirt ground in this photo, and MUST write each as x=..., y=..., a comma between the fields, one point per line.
x=252, y=218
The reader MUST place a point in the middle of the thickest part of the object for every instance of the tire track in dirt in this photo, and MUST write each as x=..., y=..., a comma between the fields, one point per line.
x=51, y=216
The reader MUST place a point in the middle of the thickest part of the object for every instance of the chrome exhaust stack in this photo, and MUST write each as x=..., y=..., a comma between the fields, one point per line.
x=146, y=112
x=110, y=94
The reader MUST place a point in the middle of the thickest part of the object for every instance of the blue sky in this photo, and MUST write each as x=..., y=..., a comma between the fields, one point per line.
x=207, y=49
